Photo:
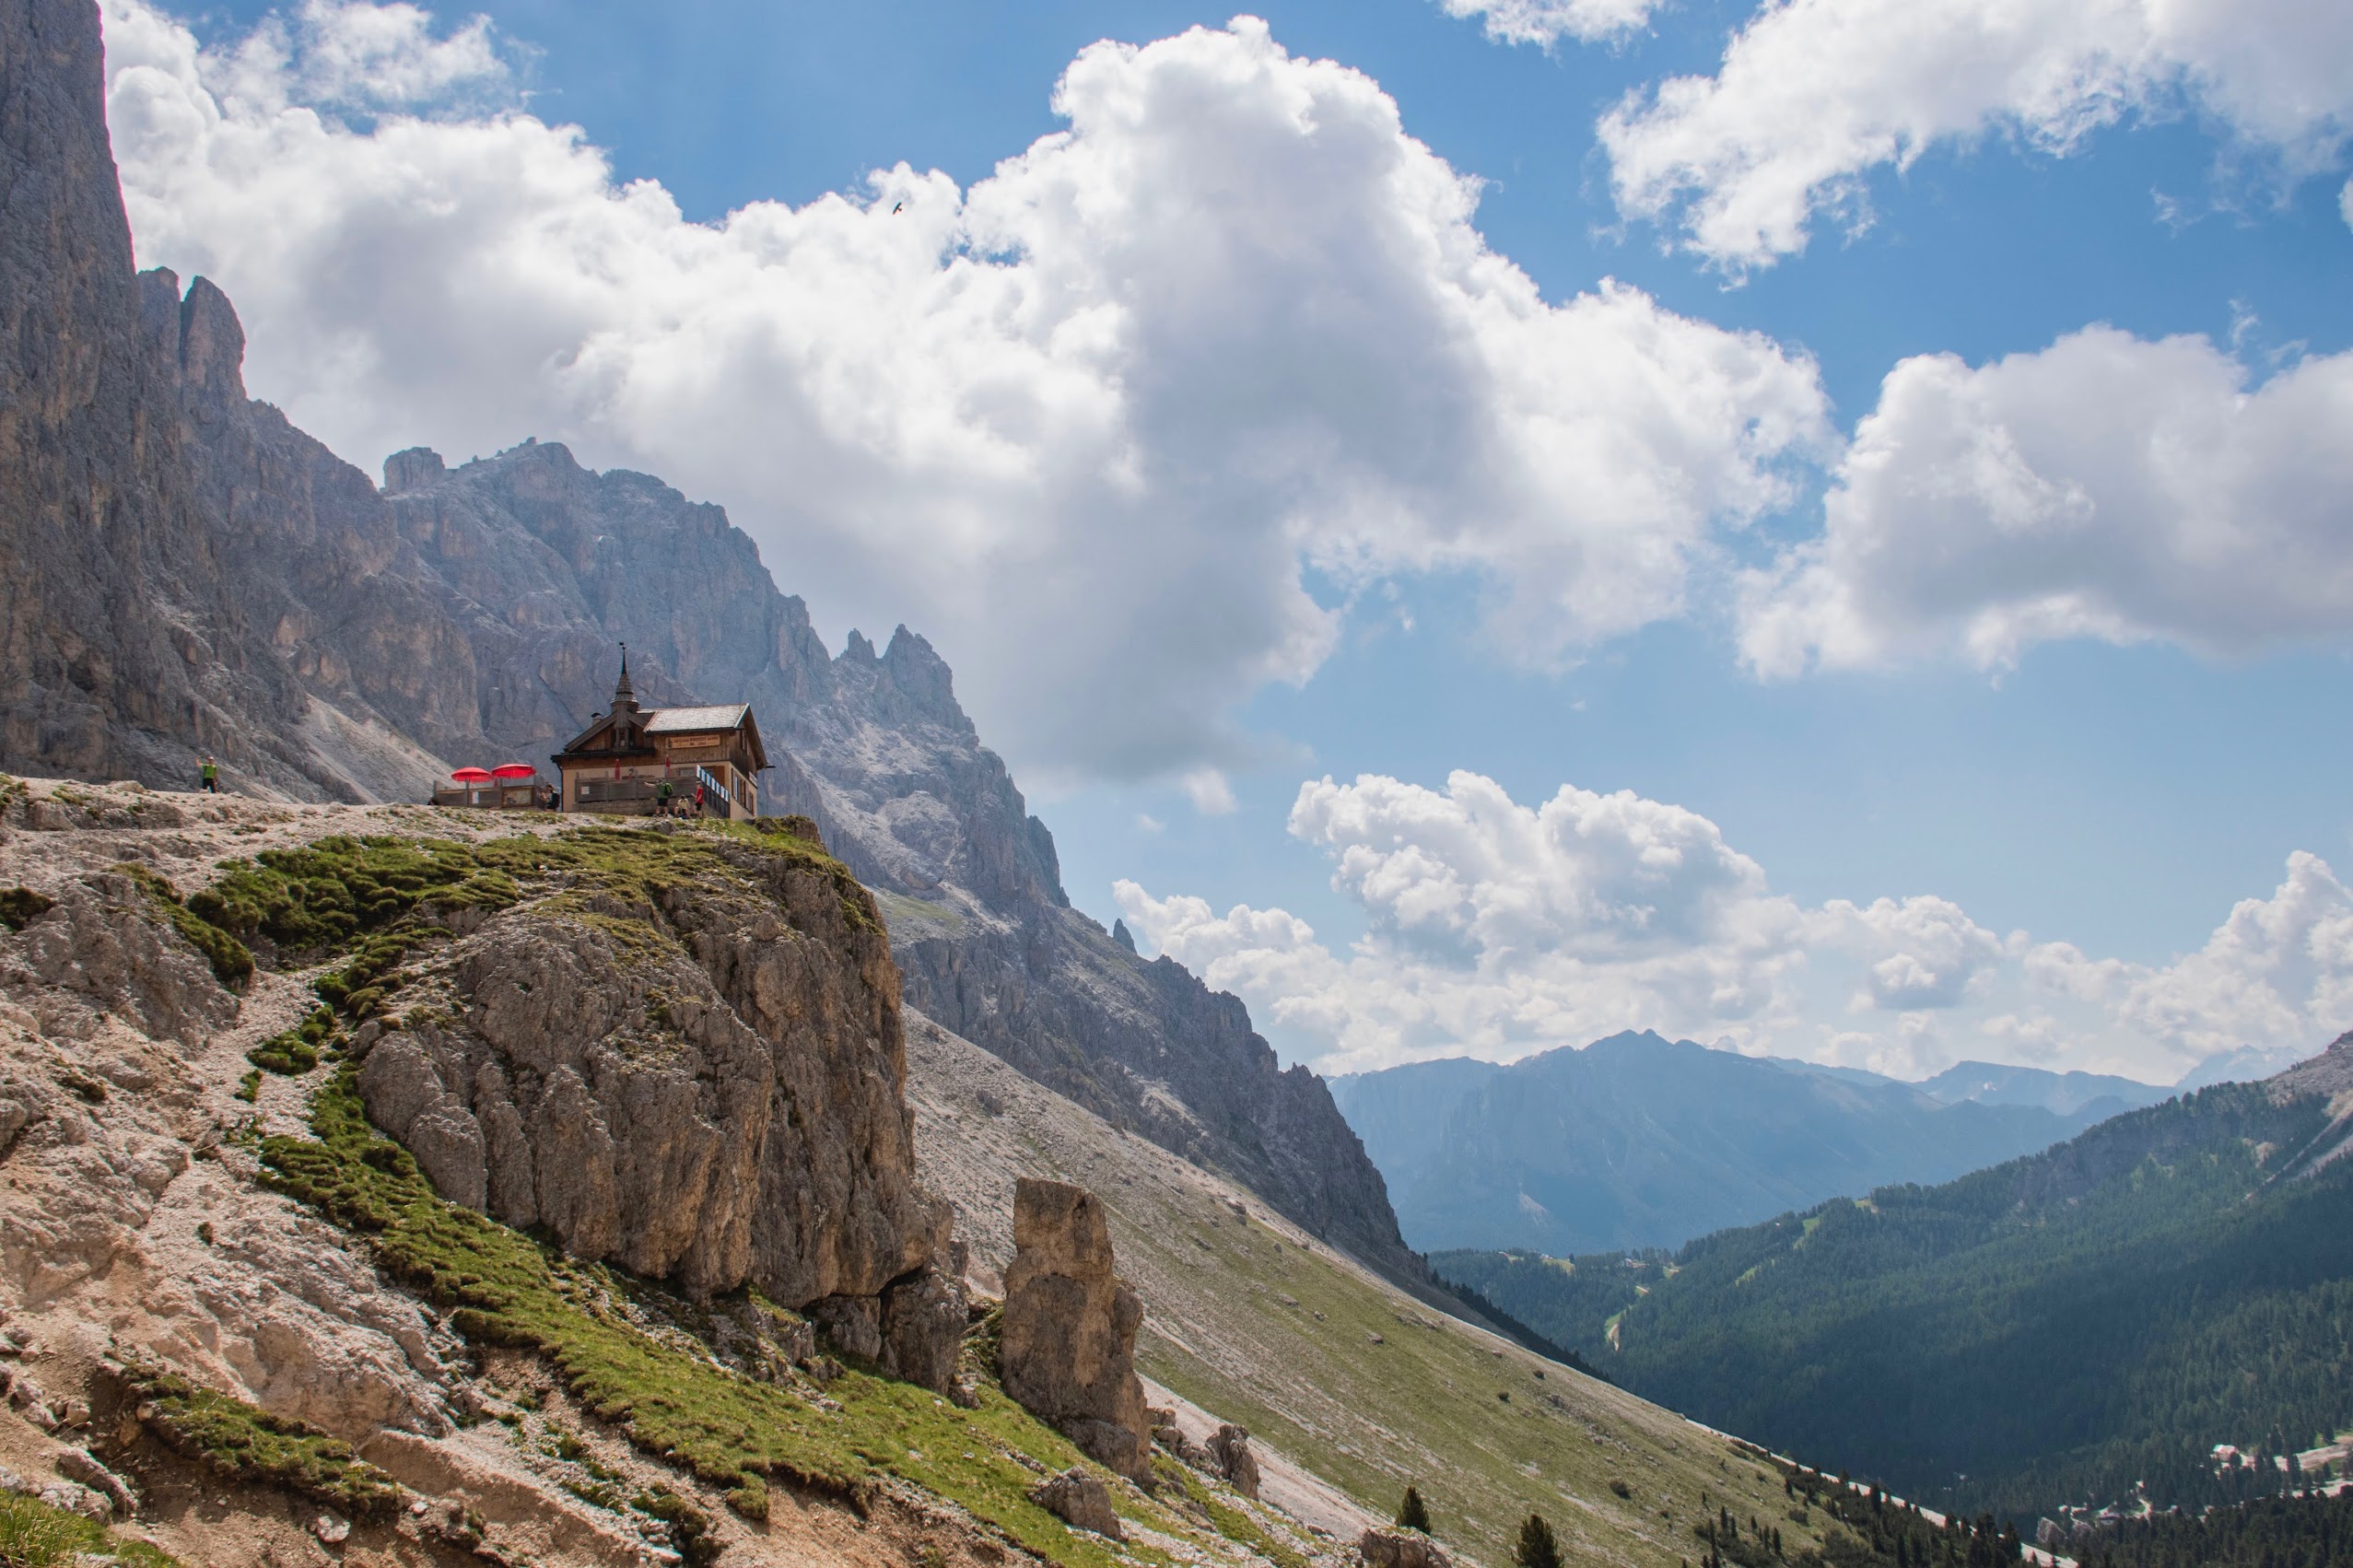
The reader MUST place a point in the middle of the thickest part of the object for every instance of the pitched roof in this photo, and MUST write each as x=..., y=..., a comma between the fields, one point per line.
x=718, y=715
x=599, y=737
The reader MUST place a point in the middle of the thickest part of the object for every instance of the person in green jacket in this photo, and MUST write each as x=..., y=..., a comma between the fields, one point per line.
x=661, y=799
x=210, y=774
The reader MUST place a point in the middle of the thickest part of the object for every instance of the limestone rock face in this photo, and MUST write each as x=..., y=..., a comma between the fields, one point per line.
x=183, y=567
x=713, y=1092
x=922, y=1326
x=1067, y=1347
x=100, y=944
x=125, y=1231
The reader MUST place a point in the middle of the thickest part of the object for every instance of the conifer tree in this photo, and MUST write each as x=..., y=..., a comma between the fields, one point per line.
x=1414, y=1513
x=1536, y=1547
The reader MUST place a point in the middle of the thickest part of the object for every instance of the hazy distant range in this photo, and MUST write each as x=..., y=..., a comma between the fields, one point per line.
x=1637, y=1141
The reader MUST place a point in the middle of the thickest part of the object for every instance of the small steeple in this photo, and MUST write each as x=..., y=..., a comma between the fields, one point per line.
x=623, y=695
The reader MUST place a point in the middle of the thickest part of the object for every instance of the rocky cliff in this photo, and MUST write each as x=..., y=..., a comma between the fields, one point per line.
x=185, y=572
x=120, y=651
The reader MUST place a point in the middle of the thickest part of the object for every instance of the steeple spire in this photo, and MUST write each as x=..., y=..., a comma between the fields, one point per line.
x=623, y=695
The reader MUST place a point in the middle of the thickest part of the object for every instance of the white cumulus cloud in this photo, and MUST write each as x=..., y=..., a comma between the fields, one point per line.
x=353, y=54
x=1813, y=95
x=1498, y=928
x=2106, y=486
x=1546, y=22
x=2277, y=972
x=1921, y=952
x=1095, y=425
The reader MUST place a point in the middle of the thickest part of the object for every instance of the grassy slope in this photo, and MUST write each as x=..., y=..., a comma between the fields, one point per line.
x=1418, y=1407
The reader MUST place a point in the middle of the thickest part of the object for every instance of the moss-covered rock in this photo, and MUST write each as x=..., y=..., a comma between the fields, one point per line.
x=239, y=1442
x=231, y=961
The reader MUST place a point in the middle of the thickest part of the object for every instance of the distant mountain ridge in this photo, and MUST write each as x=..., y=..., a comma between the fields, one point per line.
x=2059, y=1328
x=1636, y=1141
x=2064, y=1093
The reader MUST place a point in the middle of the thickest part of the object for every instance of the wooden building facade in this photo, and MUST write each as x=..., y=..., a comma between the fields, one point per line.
x=617, y=766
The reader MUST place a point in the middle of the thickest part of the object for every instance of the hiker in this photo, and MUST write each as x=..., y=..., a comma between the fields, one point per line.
x=210, y=774
x=661, y=799
x=698, y=800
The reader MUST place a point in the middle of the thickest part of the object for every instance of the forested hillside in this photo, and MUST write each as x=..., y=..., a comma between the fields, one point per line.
x=2056, y=1328
x=2276, y=1532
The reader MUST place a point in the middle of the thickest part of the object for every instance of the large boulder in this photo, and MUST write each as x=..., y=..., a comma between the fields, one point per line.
x=1230, y=1457
x=1400, y=1548
x=1067, y=1350
x=1079, y=1499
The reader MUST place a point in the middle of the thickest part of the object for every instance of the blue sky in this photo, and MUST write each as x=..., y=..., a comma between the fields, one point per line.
x=2116, y=789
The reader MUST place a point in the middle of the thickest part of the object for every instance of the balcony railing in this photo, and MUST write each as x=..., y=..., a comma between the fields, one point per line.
x=526, y=796
x=718, y=800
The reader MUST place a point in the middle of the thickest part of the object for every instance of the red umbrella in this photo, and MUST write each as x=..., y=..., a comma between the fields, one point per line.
x=472, y=775
x=514, y=770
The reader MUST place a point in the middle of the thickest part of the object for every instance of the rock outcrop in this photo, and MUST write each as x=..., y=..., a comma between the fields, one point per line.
x=1229, y=1456
x=127, y=1229
x=1400, y=1548
x=1226, y=1455
x=1079, y=1499
x=709, y=1089
x=1067, y=1350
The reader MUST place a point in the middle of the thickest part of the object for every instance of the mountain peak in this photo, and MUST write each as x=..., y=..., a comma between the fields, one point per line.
x=413, y=468
x=212, y=344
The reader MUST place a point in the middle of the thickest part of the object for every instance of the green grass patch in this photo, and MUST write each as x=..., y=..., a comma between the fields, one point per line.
x=34, y=1534
x=231, y=960
x=238, y=1441
x=319, y=898
x=500, y=1287
x=292, y=1052
x=248, y=1088
x=378, y=897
